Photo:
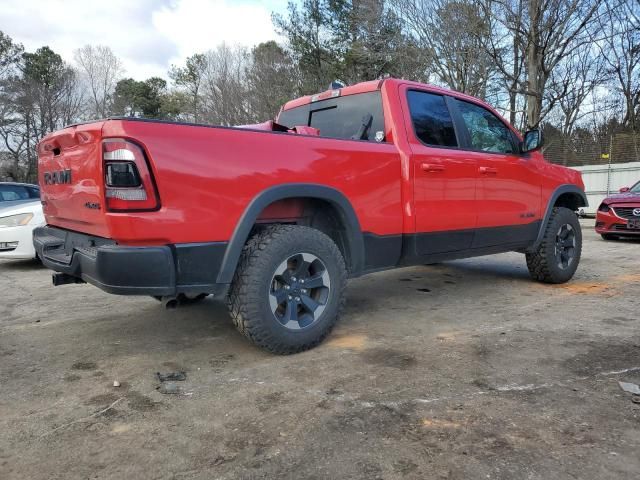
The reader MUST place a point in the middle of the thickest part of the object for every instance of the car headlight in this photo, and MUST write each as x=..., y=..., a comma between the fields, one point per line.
x=16, y=220
x=603, y=208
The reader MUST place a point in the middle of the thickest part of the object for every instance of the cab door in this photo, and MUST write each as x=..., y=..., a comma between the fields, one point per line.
x=444, y=176
x=508, y=188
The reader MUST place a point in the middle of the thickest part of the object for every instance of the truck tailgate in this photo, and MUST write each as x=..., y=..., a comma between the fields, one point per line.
x=70, y=174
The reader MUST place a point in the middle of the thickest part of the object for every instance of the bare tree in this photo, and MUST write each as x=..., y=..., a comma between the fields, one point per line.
x=225, y=100
x=568, y=96
x=451, y=35
x=102, y=69
x=506, y=48
x=190, y=77
x=620, y=51
x=571, y=85
x=546, y=32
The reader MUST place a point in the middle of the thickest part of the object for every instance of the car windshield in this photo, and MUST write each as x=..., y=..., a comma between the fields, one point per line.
x=635, y=188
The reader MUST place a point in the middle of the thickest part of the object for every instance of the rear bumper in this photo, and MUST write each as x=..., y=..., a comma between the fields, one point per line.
x=166, y=270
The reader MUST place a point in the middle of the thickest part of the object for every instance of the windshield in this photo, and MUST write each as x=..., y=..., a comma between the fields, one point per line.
x=635, y=188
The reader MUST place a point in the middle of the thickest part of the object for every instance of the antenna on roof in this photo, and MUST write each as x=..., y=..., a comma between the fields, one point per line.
x=336, y=84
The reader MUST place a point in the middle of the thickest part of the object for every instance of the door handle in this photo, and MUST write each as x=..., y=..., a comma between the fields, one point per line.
x=432, y=167
x=488, y=170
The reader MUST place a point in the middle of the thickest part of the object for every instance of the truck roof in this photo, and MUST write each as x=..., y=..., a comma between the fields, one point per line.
x=371, y=86
x=362, y=87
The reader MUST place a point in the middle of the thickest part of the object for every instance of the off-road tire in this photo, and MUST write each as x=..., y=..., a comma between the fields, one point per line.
x=248, y=299
x=543, y=264
x=609, y=237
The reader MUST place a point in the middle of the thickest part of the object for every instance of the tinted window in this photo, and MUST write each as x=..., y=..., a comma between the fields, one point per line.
x=488, y=133
x=9, y=193
x=294, y=117
x=34, y=192
x=431, y=119
x=340, y=117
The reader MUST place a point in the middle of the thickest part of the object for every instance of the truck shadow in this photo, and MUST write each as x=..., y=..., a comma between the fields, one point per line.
x=487, y=268
x=205, y=327
x=21, y=265
x=435, y=283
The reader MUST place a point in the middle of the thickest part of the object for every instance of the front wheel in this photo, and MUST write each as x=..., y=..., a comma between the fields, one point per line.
x=288, y=289
x=558, y=255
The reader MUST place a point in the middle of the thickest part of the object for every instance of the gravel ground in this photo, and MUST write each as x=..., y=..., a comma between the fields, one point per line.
x=461, y=370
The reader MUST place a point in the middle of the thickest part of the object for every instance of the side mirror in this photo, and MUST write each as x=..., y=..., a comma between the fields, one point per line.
x=624, y=189
x=532, y=141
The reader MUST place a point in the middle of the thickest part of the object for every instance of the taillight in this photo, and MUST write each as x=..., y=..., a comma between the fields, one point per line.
x=127, y=178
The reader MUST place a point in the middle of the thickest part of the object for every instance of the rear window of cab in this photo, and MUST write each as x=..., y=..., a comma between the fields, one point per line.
x=352, y=117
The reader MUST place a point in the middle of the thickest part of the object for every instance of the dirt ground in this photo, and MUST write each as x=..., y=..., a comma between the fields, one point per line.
x=464, y=370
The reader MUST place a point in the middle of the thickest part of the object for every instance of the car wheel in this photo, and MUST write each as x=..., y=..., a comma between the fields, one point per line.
x=557, y=258
x=608, y=236
x=288, y=289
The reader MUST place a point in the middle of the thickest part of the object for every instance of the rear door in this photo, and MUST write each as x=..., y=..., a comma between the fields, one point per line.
x=508, y=189
x=444, y=176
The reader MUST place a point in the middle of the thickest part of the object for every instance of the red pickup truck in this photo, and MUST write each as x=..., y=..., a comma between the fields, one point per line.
x=275, y=217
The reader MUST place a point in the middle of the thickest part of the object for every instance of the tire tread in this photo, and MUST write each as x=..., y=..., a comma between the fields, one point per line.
x=538, y=263
x=244, y=295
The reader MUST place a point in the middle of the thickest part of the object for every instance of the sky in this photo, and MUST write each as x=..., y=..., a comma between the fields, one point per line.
x=148, y=35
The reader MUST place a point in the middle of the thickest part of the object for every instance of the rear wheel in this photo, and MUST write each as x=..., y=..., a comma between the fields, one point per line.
x=608, y=236
x=557, y=258
x=288, y=289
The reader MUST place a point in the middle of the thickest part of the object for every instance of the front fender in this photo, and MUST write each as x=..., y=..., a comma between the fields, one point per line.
x=557, y=193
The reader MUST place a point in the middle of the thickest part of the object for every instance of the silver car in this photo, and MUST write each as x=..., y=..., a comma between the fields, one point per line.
x=20, y=213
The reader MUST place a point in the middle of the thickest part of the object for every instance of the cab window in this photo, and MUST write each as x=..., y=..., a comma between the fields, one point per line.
x=354, y=117
x=431, y=119
x=487, y=132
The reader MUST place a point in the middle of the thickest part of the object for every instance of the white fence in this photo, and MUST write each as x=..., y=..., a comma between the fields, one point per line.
x=602, y=180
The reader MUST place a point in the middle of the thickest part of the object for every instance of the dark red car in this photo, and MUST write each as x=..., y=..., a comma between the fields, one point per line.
x=619, y=214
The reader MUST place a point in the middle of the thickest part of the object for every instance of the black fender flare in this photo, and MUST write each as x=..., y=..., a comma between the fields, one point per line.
x=248, y=219
x=561, y=190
